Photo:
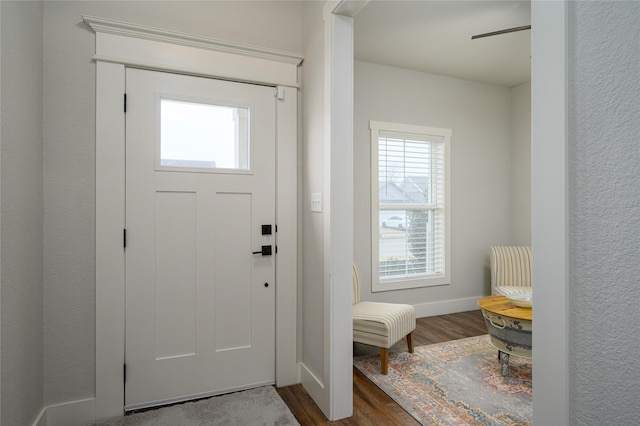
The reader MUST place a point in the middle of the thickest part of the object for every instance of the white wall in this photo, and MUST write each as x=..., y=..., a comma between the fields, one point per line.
x=521, y=164
x=21, y=213
x=313, y=136
x=604, y=212
x=69, y=126
x=479, y=115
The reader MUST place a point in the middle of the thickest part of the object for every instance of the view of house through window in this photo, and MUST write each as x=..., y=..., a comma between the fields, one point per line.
x=202, y=135
x=409, y=211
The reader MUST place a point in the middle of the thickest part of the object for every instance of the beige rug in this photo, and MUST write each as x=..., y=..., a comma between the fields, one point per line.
x=254, y=407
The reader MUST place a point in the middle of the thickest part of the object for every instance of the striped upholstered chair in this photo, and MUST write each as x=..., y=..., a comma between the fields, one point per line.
x=510, y=270
x=381, y=324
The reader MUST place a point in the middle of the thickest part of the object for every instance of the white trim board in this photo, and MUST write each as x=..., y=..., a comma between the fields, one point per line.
x=338, y=203
x=41, y=420
x=445, y=307
x=549, y=213
x=126, y=29
x=314, y=386
x=147, y=47
x=350, y=8
x=119, y=45
x=75, y=413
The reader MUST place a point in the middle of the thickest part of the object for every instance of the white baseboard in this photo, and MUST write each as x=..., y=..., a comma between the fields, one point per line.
x=446, y=307
x=315, y=388
x=75, y=413
x=41, y=420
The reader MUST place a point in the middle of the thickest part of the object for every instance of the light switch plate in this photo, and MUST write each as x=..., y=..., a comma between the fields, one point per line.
x=316, y=202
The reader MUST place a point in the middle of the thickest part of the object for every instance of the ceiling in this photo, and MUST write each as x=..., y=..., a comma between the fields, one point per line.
x=435, y=37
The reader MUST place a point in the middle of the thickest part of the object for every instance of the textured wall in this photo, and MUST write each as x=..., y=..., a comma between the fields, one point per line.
x=479, y=115
x=604, y=167
x=21, y=213
x=69, y=151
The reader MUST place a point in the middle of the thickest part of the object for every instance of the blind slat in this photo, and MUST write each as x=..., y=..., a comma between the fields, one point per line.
x=411, y=173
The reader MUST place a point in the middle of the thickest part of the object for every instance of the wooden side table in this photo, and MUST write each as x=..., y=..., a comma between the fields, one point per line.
x=509, y=326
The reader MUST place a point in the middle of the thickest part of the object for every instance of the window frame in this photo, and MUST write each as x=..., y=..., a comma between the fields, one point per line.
x=378, y=284
x=215, y=102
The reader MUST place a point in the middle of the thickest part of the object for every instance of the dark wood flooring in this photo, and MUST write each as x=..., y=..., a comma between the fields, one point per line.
x=371, y=406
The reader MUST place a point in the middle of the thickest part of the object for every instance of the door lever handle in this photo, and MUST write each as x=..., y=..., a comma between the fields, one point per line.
x=266, y=251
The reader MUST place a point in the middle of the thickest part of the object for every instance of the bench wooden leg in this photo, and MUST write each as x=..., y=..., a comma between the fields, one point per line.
x=410, y=342
x=384, y=360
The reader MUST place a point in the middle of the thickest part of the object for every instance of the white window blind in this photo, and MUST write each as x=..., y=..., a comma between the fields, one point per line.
x=410, y=211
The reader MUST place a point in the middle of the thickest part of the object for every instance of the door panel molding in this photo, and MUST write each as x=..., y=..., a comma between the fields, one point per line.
x=170, y=54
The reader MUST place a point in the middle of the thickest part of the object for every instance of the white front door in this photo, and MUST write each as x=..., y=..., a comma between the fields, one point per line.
x=200, y=183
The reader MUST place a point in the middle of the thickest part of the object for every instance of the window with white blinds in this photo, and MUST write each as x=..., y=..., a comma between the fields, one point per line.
x=410, y=213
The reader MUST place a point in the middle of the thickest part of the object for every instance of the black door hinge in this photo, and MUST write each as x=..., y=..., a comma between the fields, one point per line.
x=124, y=372
x=124, y=238
x=125, y=102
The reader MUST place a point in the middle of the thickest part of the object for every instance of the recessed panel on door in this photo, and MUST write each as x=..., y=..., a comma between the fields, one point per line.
x=233, y=295
x=175, y=274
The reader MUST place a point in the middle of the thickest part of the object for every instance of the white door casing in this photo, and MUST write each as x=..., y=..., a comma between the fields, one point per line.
x=118, y=45
x=200, y=305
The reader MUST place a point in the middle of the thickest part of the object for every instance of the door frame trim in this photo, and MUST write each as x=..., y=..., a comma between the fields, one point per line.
x=119, y=45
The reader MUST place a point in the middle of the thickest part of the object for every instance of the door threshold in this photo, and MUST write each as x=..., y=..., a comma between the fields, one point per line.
x=130, y=409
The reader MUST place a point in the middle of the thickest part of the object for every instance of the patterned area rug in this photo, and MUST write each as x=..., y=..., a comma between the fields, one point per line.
x=456, y=383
